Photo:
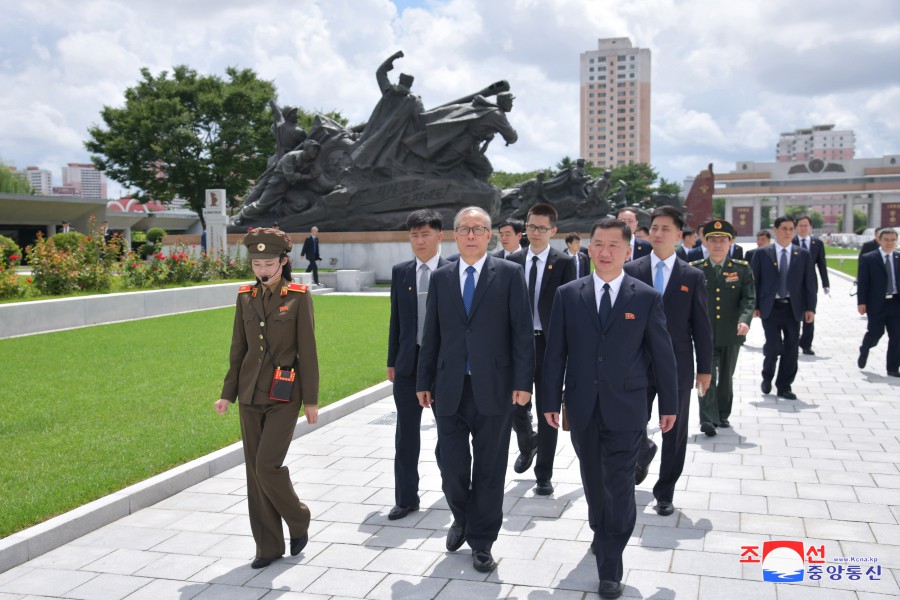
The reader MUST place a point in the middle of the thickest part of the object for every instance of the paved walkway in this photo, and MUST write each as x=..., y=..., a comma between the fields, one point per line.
x=821, y=470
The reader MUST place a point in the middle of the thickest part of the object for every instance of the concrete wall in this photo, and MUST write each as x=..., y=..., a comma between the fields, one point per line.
x=65, y=313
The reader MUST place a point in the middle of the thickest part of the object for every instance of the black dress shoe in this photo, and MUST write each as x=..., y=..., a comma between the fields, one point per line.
x=863, y=357
x=640, y=471
x=259, y=562
x=765, y=386
x=593, y=550
x=523, y=463
x=455, y=537
x=398, y=512
x=708, y=428
x=610, y=589
x=298, y=544
x=787, y=395
x=893, y=373
x=663, y=508
x=483, y=561
x=808, y=351
x=724, y=423
x=543, y=488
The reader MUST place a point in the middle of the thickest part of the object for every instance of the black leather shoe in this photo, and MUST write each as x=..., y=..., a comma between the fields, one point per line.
x=893, y=373
x=593, y=550
x=640, y=471
x=663, y=508
x=260, y=563
x=787, y=395
x=398, y=512
x=863, y=357
x=543, y=488
x=611, y=589
x=483, y=561
x=455, y=537
x=708, y=428
x=765, y=386
x=808, y=351
x=298, y=544
x=523, y=463
x=724, y=423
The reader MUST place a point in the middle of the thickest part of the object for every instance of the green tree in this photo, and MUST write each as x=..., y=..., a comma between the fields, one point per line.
x=10, y=183
x=182, y=133
x=795, y=212
x=564, y=163
x=639, y=177
x=860, y=221
x=718, y=208
x=668, y=188
x=504, y=180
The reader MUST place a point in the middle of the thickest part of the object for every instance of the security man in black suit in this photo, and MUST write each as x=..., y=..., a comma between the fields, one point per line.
x=763, y=239
x=639, y=247
x=310, y=252
x=879, y=298
x=816, y=249
x=475, y=364
x=683, y=290
x=573, y=249
x=688, y=236
x=785, y=296
x=605, y=329
x=510, y=234
x=872, y=244
x=545, y=270
x=409, y=291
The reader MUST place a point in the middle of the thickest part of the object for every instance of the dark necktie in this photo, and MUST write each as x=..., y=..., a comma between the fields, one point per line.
x=783, y=275
x=532, y=282
x=891, y=284
x=803, y=243
x=605, y=305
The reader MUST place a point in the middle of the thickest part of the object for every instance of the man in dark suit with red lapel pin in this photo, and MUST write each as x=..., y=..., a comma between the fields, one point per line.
x=879, y=298
x=816, y=248
x=605, y=330
x=409, y=291
x=683, y=289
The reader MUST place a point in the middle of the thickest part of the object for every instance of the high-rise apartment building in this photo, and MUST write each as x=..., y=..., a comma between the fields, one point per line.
x=40, y=180
x=615, y=103
x=85, y=179
x=818, y=141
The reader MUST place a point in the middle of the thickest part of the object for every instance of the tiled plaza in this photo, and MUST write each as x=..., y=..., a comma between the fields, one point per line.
x=822, y=470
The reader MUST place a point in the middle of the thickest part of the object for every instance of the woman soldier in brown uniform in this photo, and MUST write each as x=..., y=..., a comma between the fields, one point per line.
x=273, y=327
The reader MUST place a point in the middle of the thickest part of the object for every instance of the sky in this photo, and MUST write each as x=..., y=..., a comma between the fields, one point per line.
x=727, y=77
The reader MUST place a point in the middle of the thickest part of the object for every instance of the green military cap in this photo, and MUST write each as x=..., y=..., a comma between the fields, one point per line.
x=718, y=227
x=265, y=242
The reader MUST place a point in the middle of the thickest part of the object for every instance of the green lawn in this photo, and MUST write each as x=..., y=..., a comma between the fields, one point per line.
x=90, y=411
x=849, y=266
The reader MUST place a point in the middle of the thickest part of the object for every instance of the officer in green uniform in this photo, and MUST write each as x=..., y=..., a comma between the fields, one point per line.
x=732, y=297
x=273, y=329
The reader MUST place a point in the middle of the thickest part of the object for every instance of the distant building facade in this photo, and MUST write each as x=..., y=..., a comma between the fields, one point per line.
x=818, y=141
x=40, y=180
x=84, y=180
x=615, y=103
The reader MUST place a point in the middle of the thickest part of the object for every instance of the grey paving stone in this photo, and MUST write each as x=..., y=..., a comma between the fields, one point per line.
x=695, y=518
x=345, y=556
x=839, y=530
x=407, y=587
x=454, y=566
x=520, y=592
x=661, y=586
x=738, y=503
x=47, y=582
x=108, y=587
x=285, y=576
x=226, y=571
x=671, y=537
x=125, y=537
x=772, y=524
x=857, y=511
x=473, y=590
x=407, y=538
x=69, y=557
x=165, y=589
x=521, y=547
x=176, y=566
x=343, y=582
x=525, y=572
x=230, y=592
x=405, y=562
x=123, y=562
x=785, y=489
x=715, y=588
x=706, y=563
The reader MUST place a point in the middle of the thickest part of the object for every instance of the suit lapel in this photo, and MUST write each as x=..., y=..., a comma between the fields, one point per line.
x=589, y=297
x=456, y=295
x=484, y=280
x=626, y=291
x=552, y=257
x=674, y=280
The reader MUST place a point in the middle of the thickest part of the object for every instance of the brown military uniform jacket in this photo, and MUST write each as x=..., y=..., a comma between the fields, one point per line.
x=269, y=330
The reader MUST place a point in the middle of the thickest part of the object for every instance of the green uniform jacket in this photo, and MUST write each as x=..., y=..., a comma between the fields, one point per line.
x=732, y=298
x=287, y=330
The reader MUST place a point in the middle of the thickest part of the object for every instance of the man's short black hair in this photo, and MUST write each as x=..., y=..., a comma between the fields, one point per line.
x=610, y=223
x=518, y=225
x=668, y=211
x=642, y=229
x=686, y=231
x=801, y=218
x=571, y=237
x=781, y=220
x=886, y=230
x=425, y=217
x=544, y=210
x=764, y=232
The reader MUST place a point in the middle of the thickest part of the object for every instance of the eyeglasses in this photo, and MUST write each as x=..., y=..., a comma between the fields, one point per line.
x=477, y=230
x=534, y=228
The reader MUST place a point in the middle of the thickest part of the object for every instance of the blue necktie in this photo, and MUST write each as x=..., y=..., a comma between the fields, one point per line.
x=659, y=283
x=468, y=294
x=605, y=305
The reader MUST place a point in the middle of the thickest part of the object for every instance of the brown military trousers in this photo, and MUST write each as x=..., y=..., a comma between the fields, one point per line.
x=267, y=431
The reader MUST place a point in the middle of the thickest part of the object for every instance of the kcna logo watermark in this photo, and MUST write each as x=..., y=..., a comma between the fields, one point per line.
x=790, y=561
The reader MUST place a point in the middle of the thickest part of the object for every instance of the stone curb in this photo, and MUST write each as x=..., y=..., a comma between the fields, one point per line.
x=30, y=543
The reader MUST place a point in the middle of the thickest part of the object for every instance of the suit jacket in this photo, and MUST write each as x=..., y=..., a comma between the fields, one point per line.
x=817, y=252
x=695, y=254
x=736, y=252
x=310, y=250
x=497, y=336
x=868, y=247
x=404, y=317
x=289, y=334
x=872, y=280
x=748, y=256
x=681, y=253
x=559, y=269
x=802, y=285
x=605, y=369
x=583, y=261
x=687, y=318
x=501, y=253
x=641, y=248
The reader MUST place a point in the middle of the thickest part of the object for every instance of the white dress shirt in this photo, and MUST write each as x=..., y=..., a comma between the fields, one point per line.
x=432, y=265
x=614, y=286
x=479, y=265
x=667, y=270
x=541, y=263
